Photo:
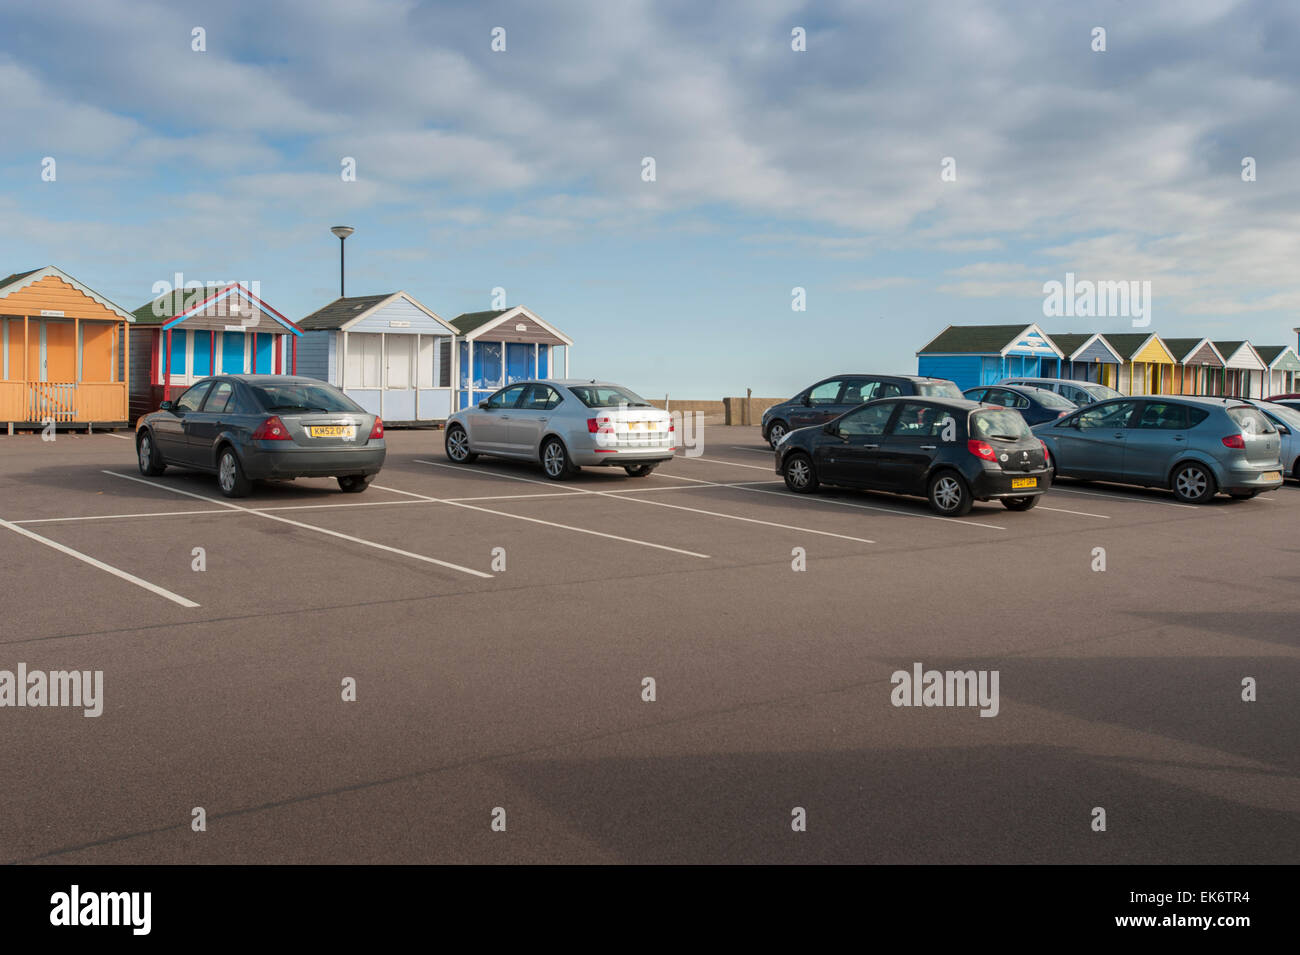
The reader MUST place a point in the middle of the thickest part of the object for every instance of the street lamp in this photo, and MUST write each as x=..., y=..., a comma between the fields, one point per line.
x=342, y=231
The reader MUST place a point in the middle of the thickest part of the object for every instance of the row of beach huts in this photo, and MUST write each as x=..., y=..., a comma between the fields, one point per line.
x=72, y=357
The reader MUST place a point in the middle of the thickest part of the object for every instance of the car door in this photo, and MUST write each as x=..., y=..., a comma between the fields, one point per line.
x=529, y=418
x=1093, y=445
x=909, y=446
x=1156, y=440
x=850, y=454
x=489, y=428
x=202, y=427
x=819, y=405
x=169, y=428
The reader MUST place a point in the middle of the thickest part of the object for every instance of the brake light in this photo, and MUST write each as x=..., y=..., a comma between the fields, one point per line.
x=601, y=425
x=1047, y=455
x=378, y=430
x=672, y=425
x=981, y=449
x=1235, y=441
x=1062, y=414
x=272, y=429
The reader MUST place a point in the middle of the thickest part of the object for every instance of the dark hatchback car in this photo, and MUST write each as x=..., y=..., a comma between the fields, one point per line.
x=1035, y=405
x=831, y=397
x=245, y=428
x=949, y=450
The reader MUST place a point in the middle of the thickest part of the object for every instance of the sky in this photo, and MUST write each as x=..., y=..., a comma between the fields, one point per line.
x=821, y=169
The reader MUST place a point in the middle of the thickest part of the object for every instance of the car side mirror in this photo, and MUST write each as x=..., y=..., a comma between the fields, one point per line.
x=167, y=406
x=483, y=405
x=805, y=400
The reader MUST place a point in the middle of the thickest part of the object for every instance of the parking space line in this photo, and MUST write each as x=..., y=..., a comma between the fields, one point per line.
x=1061, y=510
x=109, y=517
x=736, y=447
x=734, y=464
x=124, y=437
x=108, y=568
x=309, y=527
x=678, y=507
x=813, y=499
x=538, y=520
x=1122, y=497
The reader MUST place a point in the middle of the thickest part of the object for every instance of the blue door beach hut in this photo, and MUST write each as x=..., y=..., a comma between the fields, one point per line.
x=1088, y=357
x=191, y=333
x=974, y=355
x=504, y=345
x=388, y=353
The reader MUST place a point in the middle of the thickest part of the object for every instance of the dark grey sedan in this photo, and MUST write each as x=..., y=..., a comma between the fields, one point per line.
x=1196, y=447
x=246, y=428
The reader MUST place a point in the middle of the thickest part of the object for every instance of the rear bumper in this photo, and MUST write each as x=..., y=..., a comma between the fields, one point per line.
x=597, y=457
x=1252, y=479
x=989, y=484
x=261, y=461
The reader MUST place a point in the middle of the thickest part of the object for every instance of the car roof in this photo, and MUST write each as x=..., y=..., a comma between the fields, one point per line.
x=960, y=404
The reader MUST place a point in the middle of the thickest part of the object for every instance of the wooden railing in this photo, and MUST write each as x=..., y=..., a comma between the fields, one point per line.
x=62, y=401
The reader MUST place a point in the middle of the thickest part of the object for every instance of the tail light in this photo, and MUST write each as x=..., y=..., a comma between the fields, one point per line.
x=601, y=425
x=1062, y=414
x=272, y=429
x=1047, y=455
x=672, y=425
x=378, y=430
x=981, y=449
x=1235, y=441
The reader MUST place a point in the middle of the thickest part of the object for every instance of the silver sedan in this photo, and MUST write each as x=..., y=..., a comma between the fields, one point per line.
x=564, y=424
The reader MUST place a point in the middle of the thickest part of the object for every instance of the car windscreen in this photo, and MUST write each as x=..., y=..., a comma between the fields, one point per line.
x=999, y=425
x=607, y=396
x=1050, y=399
x=938, y=389
x=1251, y=420
x=1100, y=392
x=301, y=398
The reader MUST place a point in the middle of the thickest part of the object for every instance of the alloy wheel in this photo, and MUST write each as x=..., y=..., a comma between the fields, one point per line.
x=458, y=444
x=799, y=472
x=947, y=493
x=1190, y=483
x=226, y=472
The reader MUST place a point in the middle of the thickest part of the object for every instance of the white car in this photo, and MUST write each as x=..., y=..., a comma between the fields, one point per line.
x=564, y=424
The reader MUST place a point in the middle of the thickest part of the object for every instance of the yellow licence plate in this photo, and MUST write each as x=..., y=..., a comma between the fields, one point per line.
x=638, y=426
x=332, y=431
x=1017, y=483
x=1272, y=475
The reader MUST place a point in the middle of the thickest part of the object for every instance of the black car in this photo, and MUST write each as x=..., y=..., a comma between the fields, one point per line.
x=251, y=427
x=831, y=397
x=1035, y=405
x=950, y=450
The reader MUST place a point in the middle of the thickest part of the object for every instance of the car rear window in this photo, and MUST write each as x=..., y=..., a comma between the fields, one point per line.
x=300, y=398
x=1251, y=420
x=1050, y=399
x=938, y=389
x=1100, y=392
x=998, y=425
x=607, y=396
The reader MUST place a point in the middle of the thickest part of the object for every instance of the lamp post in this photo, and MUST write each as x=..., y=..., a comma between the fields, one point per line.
x=342, y=231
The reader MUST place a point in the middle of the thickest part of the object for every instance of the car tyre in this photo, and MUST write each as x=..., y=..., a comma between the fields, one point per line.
x=776, y=432
x=556, y=464
x=230, y=474
x=1192, y=483
x=354, y=483
x=799, y=473
x=1020, y=503
x=949, y=494
x=456, y=446
x=639, y=470
x=150, y=461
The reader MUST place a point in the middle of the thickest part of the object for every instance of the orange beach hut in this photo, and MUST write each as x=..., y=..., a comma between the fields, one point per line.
x=62, y=352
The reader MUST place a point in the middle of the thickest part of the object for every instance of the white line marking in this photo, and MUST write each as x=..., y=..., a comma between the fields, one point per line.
x=676, y=507
x=537, y=520
x=814, y=499
x=309, y=527
x=124, y=437
x=734, y=464
x=109, y=517
x=131, y=578
x=1061, y=510
x=1121, y=497
x=736, y=447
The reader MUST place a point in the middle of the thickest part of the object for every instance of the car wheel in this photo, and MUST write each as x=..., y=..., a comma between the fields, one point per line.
x=1020, y=503
x=949, y=494
x=230, y=475
x=555, y=460
x=776, y=432
x=799, y=473
x=1193, y=483
x=151, y=463
x=354, y=483
x=457, y=446
x=639, y=470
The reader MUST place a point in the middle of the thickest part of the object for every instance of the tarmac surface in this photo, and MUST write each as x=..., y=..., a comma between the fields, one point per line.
x=480, y=689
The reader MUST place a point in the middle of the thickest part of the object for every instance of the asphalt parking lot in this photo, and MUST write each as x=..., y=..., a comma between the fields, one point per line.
x=522, y=688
